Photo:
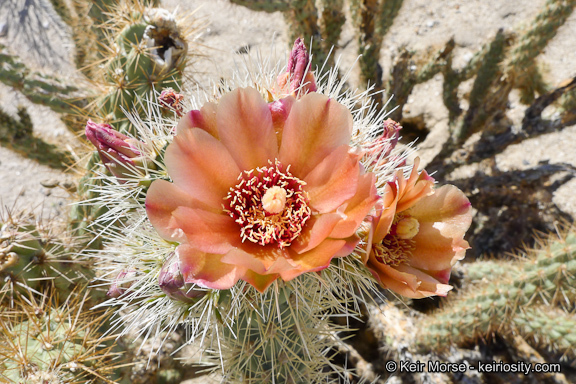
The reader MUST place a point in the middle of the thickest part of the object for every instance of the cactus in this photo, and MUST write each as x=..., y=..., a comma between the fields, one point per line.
x=405, y=75
x=276, y=341
x=44, y=342
x=37, y=87
x=373, y=19
x=320, y=26
x=146, y=52
x=17, y=135
x=538, y=289
x=32, y=257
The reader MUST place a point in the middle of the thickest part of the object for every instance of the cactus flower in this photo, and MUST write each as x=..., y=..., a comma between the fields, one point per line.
x=120, y=154
x=259, y=196
x=418, y=236
x=298, y=77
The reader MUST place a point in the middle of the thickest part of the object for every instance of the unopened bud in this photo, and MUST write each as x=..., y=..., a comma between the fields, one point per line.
x=170, y=278
x=121, y=283
x=298, y=73
x=172, y=282
x=379, y=150
x=119, y=153
x=170, y=99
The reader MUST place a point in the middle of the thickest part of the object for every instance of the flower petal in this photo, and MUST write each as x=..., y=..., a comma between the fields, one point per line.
x=334, y=180
x=386, y=210
x=315, y=231
x=260, y=282
x=201, y=165
x=415, y=188
x=280, y=110
x=162, y=199
x=448, y=205
x=245, y=128
x=315, y=127
x=427, y=285
x=205, y=119
x=262, y=260
x=434, y=251
x=357, y=208
x=314, y=260
x=208, y=231
x=206, y=269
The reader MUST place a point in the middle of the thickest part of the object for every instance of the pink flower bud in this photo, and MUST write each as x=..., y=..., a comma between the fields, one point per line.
x=121, y=283
x=297, y=72
x=117, y=151
x=172, y=283
x=379, y=150
x=171, y=100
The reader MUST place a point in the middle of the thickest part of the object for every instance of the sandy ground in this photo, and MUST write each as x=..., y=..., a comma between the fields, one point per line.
x=225, y=31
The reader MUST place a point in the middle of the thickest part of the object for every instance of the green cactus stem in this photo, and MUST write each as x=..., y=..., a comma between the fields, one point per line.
x=44, y=342
x=507, y=295
x=38, y=88
x=17, y=135
x=33, y=257
x=373, y=19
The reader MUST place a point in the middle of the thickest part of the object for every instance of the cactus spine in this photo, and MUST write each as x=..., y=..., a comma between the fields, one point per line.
x=32, y=257
x=43, y=342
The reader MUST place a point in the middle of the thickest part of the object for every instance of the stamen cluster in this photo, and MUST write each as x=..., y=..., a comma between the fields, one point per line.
x=247, y=203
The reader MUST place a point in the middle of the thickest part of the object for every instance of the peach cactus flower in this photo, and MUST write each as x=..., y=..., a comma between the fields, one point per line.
x=418, y=236
x=261, y=191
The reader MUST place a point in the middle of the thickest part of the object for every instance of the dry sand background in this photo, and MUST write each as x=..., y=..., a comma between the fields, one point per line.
x=228, y=30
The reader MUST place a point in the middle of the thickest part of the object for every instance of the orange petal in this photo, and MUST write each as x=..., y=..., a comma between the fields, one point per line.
x=387, y=213
x=202, y=166
x=245, y=128
x=208, y=231
x=415, y=188
x=206, y=269
x=334, y=180
x=357, y=208
x=314, y=260
x=315, y=231
x=315, y=127
x=162, y=199
x=449, y=206
x=428, y=285
x=205, y=119
x=280, y=110
x=260, y=282
x=263, y=260
x=433, y=251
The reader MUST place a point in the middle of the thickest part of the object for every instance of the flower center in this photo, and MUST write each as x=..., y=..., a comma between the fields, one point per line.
x=269, y=205
x=407, y=228
x=397, y=247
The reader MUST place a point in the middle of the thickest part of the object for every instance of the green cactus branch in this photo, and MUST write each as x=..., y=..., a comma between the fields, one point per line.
x=17, y=135
x=373, y=19
x=404, y=75
x=511, y=295
x=38, y=88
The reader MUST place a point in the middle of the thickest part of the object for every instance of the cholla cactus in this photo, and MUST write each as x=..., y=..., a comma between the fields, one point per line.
x=44, y=342
x=146, y=52
x=532, y=296
x=33, y=255
x=254, y=225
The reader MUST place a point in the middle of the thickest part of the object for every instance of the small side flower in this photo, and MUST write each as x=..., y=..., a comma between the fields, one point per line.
x=418, y=235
